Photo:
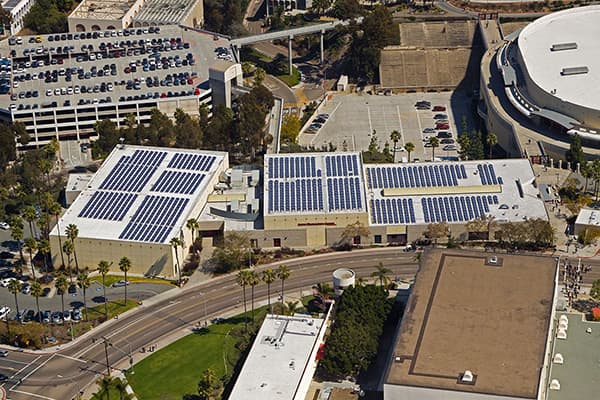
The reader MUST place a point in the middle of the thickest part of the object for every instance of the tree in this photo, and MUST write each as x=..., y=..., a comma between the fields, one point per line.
x=188, y=132
x=434, y=142
x=491, y=141
x=105, y=383
x=381, y=274
x=83, y=281
x=345, y=9
x=464, y=143
x=103, y=268
x=36, y=291
x=437, y=230
x=395, y=137
x=595, y=291
x=176, y=243
x=16, y=234
x=68, y=250
x=44, y=248
x=587, y=172
x=72, y=232
x=121, y=388
x=409, y=147
x=15, y=288
x=320, y=6
x=283, y=273
x=31, y=245
x=61, y=285
x=207, y=384
x=290, y=128
x=475, y=149
x=193, y=225
x=268, y=277
x=29, y=215
x=45, y=16
x=291, y=307
x=124, y=266
x=575, y=153
x=242, y=280
x=55, y=209
x=253, y=280
x=353, y=232
x=232, y=253
x=259, y=76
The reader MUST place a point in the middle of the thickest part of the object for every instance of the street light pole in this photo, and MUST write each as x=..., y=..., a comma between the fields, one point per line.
x=106, y=354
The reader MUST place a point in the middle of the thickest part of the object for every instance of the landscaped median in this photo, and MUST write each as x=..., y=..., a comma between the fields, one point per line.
x=109, y=280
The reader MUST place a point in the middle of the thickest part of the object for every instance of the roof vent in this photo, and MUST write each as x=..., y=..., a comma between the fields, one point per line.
x=561, y=334
x=574, y=71
x=564, y=318
x=555, y=384
x=558, y=359
x=563, y=325
x=467, y=378
x=563, y=46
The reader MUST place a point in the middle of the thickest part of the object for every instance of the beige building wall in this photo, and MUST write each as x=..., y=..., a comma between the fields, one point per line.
x=195, y=17
x=146, y=258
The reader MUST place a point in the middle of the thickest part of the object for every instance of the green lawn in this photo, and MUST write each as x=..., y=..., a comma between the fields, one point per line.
x=175, y=370
x=110, y=279
x=291, y=80
x=114, y=308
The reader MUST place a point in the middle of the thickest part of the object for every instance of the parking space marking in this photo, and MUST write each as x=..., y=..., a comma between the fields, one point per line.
x=32, y=394
x=370, y=124
x=401, y=128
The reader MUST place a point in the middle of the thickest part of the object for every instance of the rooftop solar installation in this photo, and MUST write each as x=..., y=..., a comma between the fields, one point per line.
x=385, y=177
x=144, y=194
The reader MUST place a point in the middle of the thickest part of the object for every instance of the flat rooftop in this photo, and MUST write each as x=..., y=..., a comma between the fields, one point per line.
x=578, y=375
x=588, y=216
x=91, y=62
x=278, y=358
x=143, y=194
x=576, y=25
x=492, y=320
x=111, y=10
x=164, y=11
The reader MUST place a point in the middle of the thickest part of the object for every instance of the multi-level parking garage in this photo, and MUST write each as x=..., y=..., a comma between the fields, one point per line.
x=60, y=85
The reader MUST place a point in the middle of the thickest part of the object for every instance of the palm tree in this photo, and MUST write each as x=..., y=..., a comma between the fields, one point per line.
x=72, y=232
x=193, y=225
x=395, y=137
x=283, y=272
x=121, y=387
x=587, y=172
x=176, y=242
x=105, y=383
x=381, y=274
x=103, y=268
x=17, y=235
x=67, y=248
x=242, y=280
x=36, y=291
x=434, y=142
x=292, y=307
x=44, y=248
x=44, y=224
x=61, y=285
x=83, y=281
x=409, y=147
x=253, y=280
x=268, y=277
x=124, y=266
x=55, y=209
x=15, y=287
x=29, y=215
x=31, y=245
x=491, y=140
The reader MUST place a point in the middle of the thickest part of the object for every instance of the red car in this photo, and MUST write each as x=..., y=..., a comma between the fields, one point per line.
x=442, y=126
x=439, y=108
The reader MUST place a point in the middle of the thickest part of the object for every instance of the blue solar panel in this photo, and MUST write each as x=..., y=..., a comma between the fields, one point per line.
x=413, y=176
x=154, y=219
x=194, y=162
x=133, y=172
x=110, y=206
x=178, y=182
x=452, y=208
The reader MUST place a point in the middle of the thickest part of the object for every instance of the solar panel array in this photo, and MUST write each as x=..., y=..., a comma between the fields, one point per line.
x=178, y=182
x=194, y=162
x=414, y=176
x=110, y=206
x=293, y=167
x=392, y=211
x=488, y=175
x=456, y=208
x=133, y=172
x=344, y=194
x=297, y=195
x=154, y=219
x=342, y=165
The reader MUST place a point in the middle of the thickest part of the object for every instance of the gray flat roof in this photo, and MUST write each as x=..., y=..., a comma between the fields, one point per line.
x=164, y=11
x=278, y=359
x=112, y=10
x=465, y=314
x=578, y=376
x=576, y=25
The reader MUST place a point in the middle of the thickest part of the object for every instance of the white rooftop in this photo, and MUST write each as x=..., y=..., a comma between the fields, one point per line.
x=278, y=359
x=587, y=216
x=143, y=194
x=576, y=25
x=78, y=182
x=164, y=11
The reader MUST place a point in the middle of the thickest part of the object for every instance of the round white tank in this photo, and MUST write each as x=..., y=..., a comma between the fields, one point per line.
x=342, y=278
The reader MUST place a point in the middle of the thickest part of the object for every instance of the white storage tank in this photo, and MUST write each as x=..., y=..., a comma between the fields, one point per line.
x=342, y=278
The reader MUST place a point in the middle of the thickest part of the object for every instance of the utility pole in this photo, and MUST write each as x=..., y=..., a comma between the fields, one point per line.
x=106, y=354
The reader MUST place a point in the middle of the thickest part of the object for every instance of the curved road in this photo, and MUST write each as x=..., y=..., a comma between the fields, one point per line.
x=61, y=374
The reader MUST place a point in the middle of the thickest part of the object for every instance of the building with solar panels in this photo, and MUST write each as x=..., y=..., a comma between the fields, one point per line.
x=137, y=202
x=311, y=198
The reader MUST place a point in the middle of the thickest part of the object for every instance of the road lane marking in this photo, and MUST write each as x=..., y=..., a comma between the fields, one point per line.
x=31, y=363
x=33, y=394
x=32, y=372
x=72, y=358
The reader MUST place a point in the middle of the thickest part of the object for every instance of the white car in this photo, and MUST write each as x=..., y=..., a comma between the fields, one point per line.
x=5, y=282
x=4, y=311
x=4, y=226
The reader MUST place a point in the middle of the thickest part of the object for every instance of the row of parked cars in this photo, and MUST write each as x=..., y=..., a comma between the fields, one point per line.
x=441, y=126
x=317, y=123
x=48, y=316
x=18, y=40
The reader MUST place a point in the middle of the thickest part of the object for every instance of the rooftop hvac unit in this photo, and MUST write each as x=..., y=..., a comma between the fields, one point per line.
x=558, y=359
x=563, y=325
x=555, y=384
x=564, y=318
x=561, y=334
x=467, y=377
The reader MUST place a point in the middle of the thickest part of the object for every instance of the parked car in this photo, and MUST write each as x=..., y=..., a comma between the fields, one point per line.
x=57, y=317
x=29, y=316
x=429, y=130
x=449, y=147
x=46, y=316
x=4, y=311
x=442, y=126
x=3, y=353
x=4, y=226
x=447, y=141
x=439, y=108
x=76, y=315
x=66, y=316
x=440, y=116
x=444, y=135
x=26, y=288
x=121, y=283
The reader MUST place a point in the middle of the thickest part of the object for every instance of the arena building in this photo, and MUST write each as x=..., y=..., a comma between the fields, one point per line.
x=311, y=198
x=542, y=75
x=136, y=203
x=477, y=326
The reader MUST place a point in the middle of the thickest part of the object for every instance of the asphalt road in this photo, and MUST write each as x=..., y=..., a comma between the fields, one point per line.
x=60, y=375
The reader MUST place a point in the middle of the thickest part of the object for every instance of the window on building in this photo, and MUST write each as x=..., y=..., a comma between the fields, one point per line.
x=276, y=242
x=377, y=239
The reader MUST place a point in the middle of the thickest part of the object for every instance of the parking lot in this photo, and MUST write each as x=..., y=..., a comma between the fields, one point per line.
x=354, y=117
